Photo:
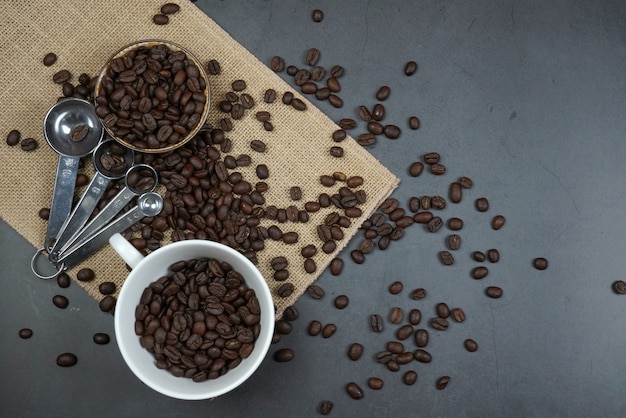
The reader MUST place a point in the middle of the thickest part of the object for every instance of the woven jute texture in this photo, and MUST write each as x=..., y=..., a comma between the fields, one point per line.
x=84, y=34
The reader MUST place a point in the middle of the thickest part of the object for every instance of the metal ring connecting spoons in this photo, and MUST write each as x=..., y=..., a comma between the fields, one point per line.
x=111, y=161
x=73, y=130
x=148, y=204
x=140, y=178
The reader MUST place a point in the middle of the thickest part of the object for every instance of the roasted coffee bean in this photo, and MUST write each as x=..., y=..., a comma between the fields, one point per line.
x=357, y=256
x=378, y=112
x=341, y=302
x=238, y=85
x=383, y=93
x=284, y=355
x=78, y=133
x=393, y=365
x=396, y=287
x=28, y=144
x=416, y=168
x=329, y=330
x=482, y=204
x=258, y=145
x=404, y=332
x=347, y=123
x=384, y=357
x=13, y=138
x=61, y=76
x=455, y=192
x=434, y=224
x=480, y=272
x=317, y=17
x=290, y=237
x=442, y=382
x=337, y=71
x=455, y=224
x=410, y=68
x=283, y=327
x=262, y=171
x=438, y=202
x=49, y=59
x=375, y=383
x=60, y=301
x=454, y=242
x=425, y=202
x=85, y=275
x=540, y=263
x=478, y=256
x=409, y=377
x=170, y=8
x=366, y=139
x=315, y=328
x=44, y=213
x=421, y=337
x=458, y=315
x=292, y=70
x=308, y=88
x=619, y=286
x=355, y=351
x=470, y=345
x=466, y=182
x=376, y=323
x=336, y=266
x=335, y=101
x=422, y=356
x=418, y=294
x=442, y=309
x=63, y=280
x=333, y=84
x=277, y=64
x=160, y=19
x=269, y=96
x=67, y=360
x=438, y=169
x=415, y=316
x=446, y=258
x=279, y=263
x=339, y=135
x=440, y=324
x=396, y=315
x=392, y=131
x=354, y=390
x=291, y=313
x=312, y=56
x=317, y=74
x=364, y=113
x=432, y=158
x=107, y=304
x=107, y=288
x=375, y=128
x=301, y=77
x=298, y=104
x=308, y=251
x=322, y=93
x=315, y=291
x=414, y=123
x=25, y=333
x=493, y=292
x=497, y=222
x=395, y=347
x=493, y=255
x=101, y=338
x=336, y=152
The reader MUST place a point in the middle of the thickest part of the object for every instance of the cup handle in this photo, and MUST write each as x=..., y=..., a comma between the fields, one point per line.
x=125, y=249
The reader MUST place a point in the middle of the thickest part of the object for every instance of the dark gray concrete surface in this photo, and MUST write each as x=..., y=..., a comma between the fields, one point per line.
x=528, y=98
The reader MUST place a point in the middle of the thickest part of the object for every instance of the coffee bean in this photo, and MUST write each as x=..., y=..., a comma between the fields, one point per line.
x=482, y=204
x=107, y=288
x=341, y=302
x=458, y=315
x=312, y=56
x=160, y=19
x=395, y=347
x=101, y=338
x=395, y=287
x=355, y=351
x=493, y=292
x=404, y=332
x=315, y=327
x=396, y=315
x=85, y=275
x=414, y=123
x=446, y=258
x=333, y=84
x=308, y=88
x=421, y=337
x=335, y=101
x=49, y=59
x=454, y=242
x=262, y=171
x=315, y=291
x=455, y=192
x=339, y=135
x=470, y=345
x=366, y=139
x=466, y=182
x=364, y=113
x=378, y=112
x=438, y=202
x=478, y=256
x=347, y=123
x=44, y=213
x=279, y=263
x=434, y=224
x=60, y=301
x=336, y=152
x=440, y=324
x=269, y=96
x=422, y=356
x=409, y=377
x=416, y=168
x=284, y=355
x=432, y=158
x=480, y=272
x=438, y=169
x=170, y=8
x=238, y=85
x=375, y=128
x=410, y=68
x=418, y=294
x=78, y=133
x=325, y=406
x=383, y=93
x=107, y=304
x=322, y=93
x=61, y=76
x=29, y=144
x=442, y=382
x=375, y=383
x=25, y=333
x=498, y=222
x=376, y=323
x=13, y=138
x=317, y=17
x=442, y=310
x=425, y=202
x=540, y=263
x=354, y=390
x=391, y=131
x=291, y=313
x=619, y=286
x=415, y=316
x=283, y=327
x=336, y=266
x=455, y=224
x=290, y=237
x=277, y=64
x=329, y=330
x=63, y=280
x=493, y=255
x=67, y=360
x=357, y=256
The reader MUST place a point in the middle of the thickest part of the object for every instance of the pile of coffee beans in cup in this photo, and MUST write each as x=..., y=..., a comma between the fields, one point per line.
x=151, y=96
x=199, y=321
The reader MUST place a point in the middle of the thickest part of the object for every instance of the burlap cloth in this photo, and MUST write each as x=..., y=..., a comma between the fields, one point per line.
x=84, y=34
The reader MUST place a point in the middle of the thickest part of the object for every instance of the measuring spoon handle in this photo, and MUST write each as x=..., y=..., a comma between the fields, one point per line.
x=62, y=195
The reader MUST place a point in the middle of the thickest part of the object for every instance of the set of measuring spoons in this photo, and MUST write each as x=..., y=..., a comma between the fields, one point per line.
x=71, y=236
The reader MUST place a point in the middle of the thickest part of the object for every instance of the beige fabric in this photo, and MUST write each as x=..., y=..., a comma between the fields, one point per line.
x=84, y=34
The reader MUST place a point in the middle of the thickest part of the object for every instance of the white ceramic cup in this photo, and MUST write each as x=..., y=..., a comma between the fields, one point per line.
x=146, y=270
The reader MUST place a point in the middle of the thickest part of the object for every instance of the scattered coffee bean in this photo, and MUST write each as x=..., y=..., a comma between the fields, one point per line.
x=284, y=355
x=13, y=138
x=339, y=135
x=49, y=59
x=61, y=76
x=107, y=303
x=396, y=287
x=355, y=351
x=376, y=323
x=63, y=280
x=454, y=242
x=414, y=123
x=422, y=356
x=378, y=112
x=28, y=144
x=493, y=292
x=78, y=133
x=375, y=128
x=446, y=258
x=285, y=290
x=160, y=19
x=404, y=332
x=329, y=330
x=482, y=204
x=392, y=131
x=434, y=224
x=438, y=169
x=421, y=337
x=315, y=291
x=383, y=93
x=396, y=315
x=455, y=192
x=415, y=316
x=291, y=313
x=416, y=168
x=170, y=8
x=325, y=406
x=409, y=377
x=44, y=213
x=480, y=272
x=357, y=256
x=101, y=338
x=442, y=309
x=497, y=222
x=25, y=333
x=619, y=286
x=85, y=275
x=354, y=390
x=336, y=152
x=277, y=64
x=364, y=113
x=470, y=345
x=375, y=383
x=317, y=17
x=440, y=324
x=493, y=255
x=478, y=256
x=312, y=56
x=60, y=301
x=455, y=224
x=315, y=328
x=336, y=266
x=458, y=315
x=540, y=263
x=335, y=101
x=341, y=302
x=283, y=327
x=67, y=360
x=466, y=182
x=410, y=68
x=442, y=382
x=418, y=294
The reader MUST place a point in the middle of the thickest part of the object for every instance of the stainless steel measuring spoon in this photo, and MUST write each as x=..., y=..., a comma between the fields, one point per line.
x=107, y=169
x=59, y=127
x=148, y=204
x=134, y=187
